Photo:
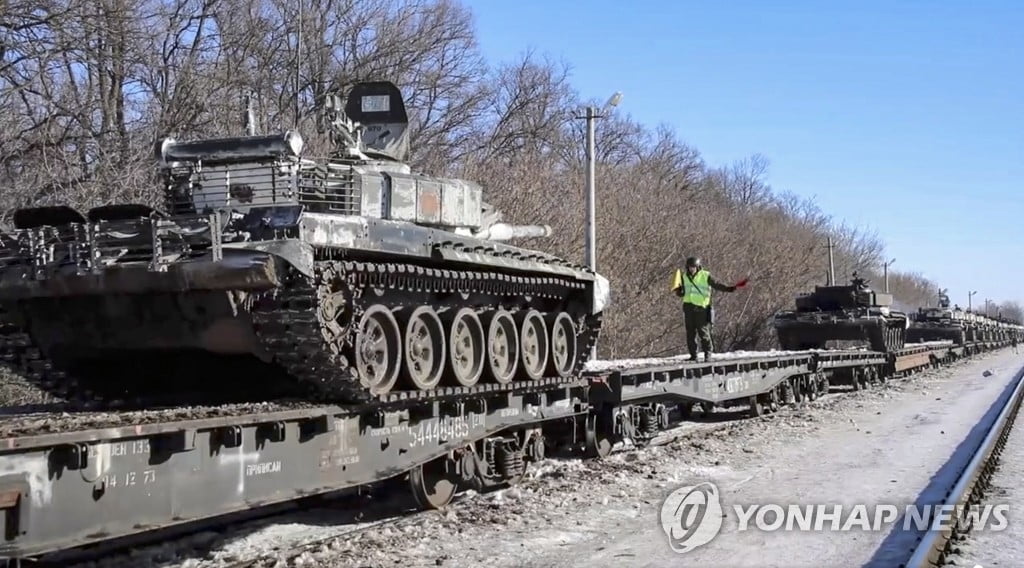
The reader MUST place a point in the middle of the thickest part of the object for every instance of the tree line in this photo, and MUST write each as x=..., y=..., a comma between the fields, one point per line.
x=87, y=86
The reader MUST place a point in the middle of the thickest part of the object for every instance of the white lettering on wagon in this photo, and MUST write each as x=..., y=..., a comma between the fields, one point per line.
x=434, y=431
x=262, y=468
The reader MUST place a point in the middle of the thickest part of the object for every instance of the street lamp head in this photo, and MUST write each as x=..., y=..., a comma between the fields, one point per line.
x=614, y=100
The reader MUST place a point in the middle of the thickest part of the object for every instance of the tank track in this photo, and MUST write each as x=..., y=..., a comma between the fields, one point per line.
x=887, y=338
x=309, y=326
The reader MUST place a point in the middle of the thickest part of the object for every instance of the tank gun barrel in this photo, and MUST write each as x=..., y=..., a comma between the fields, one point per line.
x=505, y=232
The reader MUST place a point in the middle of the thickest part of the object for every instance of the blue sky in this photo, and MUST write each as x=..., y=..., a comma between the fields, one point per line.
x=906, y=117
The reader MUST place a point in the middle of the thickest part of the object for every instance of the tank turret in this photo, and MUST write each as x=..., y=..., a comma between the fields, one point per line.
x=853, y=312
x=269, y=270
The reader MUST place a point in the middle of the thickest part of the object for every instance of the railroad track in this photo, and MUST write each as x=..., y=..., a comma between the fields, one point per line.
x=969, y=488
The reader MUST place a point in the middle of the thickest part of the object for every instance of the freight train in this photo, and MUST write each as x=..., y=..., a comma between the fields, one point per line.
x=379, y=312
x=955, y=324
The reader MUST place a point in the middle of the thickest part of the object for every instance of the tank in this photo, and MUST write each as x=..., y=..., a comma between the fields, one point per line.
x=842, y=313
x=271, y=273
x=938, y=323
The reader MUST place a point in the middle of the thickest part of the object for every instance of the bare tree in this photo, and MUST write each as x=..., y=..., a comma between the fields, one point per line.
x=87, y=87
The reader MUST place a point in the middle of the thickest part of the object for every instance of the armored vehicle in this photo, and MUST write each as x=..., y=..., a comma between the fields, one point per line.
x=939, y=323
x=842, y=313
x=268, y=272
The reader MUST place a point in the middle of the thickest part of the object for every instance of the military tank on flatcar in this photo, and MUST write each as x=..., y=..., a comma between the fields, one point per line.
x=940, y=323
x=842, y=313
x=346, y=277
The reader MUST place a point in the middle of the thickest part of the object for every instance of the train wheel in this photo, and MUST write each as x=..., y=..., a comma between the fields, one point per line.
x=563, y=344
x=378, y=349
x=599, y=434
x=796, y=385
x=466, y=347
x=502, y=347
x=432, y=487
x=756, y=408
x=424, y=348
x=533, y=344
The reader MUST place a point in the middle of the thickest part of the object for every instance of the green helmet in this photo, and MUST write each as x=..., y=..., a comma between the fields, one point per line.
x=693, y=261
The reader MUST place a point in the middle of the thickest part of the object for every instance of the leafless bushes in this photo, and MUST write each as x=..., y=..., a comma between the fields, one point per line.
x=87, y=87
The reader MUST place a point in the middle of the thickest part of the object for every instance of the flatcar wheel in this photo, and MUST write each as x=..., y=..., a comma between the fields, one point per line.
x=432, y=486
x=378, y=349
x=424, y=348
x=502, y=347
x=598, y=431
x=533, y=344
x=466, y=345
x=563, y=344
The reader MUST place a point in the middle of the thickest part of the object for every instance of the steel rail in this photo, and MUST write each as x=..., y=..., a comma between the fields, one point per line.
x=936, y=544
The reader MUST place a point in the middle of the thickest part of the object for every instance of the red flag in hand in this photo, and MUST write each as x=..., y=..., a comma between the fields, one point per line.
x=741, y=283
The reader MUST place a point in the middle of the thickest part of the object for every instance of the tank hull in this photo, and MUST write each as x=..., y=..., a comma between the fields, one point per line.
x=796, y=331
x=919, y=333
x=340, y=308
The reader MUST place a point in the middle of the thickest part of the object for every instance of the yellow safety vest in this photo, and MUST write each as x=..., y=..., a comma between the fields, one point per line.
x=696, y=290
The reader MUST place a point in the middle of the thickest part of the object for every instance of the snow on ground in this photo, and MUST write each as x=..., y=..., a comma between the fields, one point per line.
x=878, y=446
x=992, y=548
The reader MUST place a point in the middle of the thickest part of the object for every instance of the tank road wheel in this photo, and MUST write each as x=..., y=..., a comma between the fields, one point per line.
x=502, y=347
x=432, y=486
x=466, y=347
x=563, y=344
x=424, y=348
x=533, y=344
x=378, y=349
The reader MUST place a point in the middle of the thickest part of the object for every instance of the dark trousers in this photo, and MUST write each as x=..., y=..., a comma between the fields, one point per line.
x=698, y=323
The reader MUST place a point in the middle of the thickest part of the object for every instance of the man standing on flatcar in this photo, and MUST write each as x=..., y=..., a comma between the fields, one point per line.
x=694, y=287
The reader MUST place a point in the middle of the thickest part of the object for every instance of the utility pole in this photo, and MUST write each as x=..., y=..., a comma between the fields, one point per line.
x=591, y=115
x=298, y=58
x=591, y=245
x=986, y=306
x=249, y=118
x=969, y=296
x=831, y=265
x=885, y=272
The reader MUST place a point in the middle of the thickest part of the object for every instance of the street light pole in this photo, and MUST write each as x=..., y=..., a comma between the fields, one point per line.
x=969, y=296
x=590, y=249
x=885, y=272
x=591, y=115
x=590, y=198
